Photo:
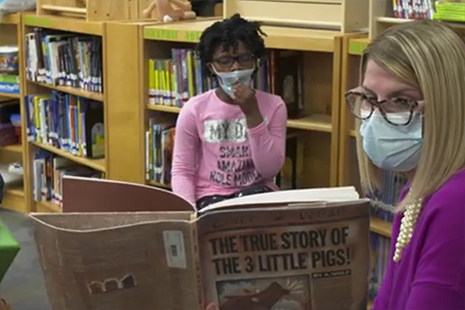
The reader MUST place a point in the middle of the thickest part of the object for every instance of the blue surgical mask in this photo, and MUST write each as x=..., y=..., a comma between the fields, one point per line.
x=227, y=80
x=390, y=147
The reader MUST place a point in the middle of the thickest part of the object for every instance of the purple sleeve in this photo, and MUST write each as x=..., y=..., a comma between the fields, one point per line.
x=381, y=301
x=186, y=145
x=268, y=144
x=439, y=280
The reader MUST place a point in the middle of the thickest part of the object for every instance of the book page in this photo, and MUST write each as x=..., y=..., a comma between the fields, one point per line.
x=283, y=197
x=298, y=258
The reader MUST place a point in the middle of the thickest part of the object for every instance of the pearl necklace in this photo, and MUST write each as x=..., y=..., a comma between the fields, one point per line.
x=411, y=213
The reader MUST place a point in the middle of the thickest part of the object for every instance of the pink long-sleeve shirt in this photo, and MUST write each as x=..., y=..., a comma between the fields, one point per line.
x=216, y=154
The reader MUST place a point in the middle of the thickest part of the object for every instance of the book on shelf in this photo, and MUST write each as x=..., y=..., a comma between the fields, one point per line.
x=174, y=80
x=9, y=83
x=48, y=171
x=67, y=122
x=9, y=60
x=159, y=150
x=288, y=176
x=288, y=66
x=64, y=59
x=131, y=246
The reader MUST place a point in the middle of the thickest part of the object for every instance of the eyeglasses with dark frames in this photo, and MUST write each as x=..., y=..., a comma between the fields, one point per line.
x=226, y=62
x=393, y=110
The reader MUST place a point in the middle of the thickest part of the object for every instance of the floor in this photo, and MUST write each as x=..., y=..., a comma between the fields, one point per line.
x=23, y=286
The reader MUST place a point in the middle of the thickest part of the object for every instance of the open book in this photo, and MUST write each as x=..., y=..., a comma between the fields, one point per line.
x=127, y=246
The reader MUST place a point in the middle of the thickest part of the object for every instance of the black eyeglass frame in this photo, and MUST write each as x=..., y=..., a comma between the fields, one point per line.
x=237, y=59
x=378, y=104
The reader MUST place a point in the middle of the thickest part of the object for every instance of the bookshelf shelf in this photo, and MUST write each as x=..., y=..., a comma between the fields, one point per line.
x=12, y=19
x=153, y=183
x=392, y=20
x=72, y=90
x=381, y=227
x=314, y=122
x=64, y=24
x=163, y=108
x=14, y=199
x=318, y=122
x=10, y=96
x=15, y=191
x=277, y=37
x=97, y=164
x=15, y=148
x=47, y=206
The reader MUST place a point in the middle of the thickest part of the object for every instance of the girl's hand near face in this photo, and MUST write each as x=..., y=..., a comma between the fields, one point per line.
x=246, y=100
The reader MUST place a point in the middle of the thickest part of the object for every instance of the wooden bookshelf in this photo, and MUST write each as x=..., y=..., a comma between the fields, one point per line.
x=321, y=52
x=10, y=96
x=381, y=17
x=11, y=19
x=384, y=228
x=163, y=108
x=16, y=197
x=277, y=37
x=352, y=46
x=15, y=191
x=48, y=207
x=72, y=91
x=97, y=164
x=313, y=122
x=64, y=24
x=70, y=25
x=15, y=148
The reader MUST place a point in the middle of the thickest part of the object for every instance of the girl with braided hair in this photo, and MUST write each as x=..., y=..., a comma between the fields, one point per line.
x=229, y=141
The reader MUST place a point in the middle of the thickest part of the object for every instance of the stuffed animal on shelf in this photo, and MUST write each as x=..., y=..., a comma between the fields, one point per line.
x=170, y=10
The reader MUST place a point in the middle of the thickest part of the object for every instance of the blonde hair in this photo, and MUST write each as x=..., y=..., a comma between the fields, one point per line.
x=430, y=56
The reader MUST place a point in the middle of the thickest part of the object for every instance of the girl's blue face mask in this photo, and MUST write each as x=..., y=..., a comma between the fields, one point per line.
x=390, y=147
x=227, y=80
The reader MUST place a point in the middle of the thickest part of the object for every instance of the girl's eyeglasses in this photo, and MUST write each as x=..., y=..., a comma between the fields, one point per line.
x=226, y=62
x=396, y=111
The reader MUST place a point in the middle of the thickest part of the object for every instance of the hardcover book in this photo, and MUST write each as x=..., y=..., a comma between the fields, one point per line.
x=127, y=246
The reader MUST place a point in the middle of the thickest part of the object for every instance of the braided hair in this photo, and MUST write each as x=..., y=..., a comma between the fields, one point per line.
x=228, y=33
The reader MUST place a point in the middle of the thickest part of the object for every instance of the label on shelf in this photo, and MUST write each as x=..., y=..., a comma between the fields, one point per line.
x=172, y=35
x=38, y=21
x=357, y=47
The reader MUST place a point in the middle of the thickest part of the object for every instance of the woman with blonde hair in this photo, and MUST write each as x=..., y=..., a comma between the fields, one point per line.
x=411, y=111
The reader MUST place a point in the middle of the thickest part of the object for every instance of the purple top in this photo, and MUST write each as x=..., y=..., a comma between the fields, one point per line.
x=431, y=272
